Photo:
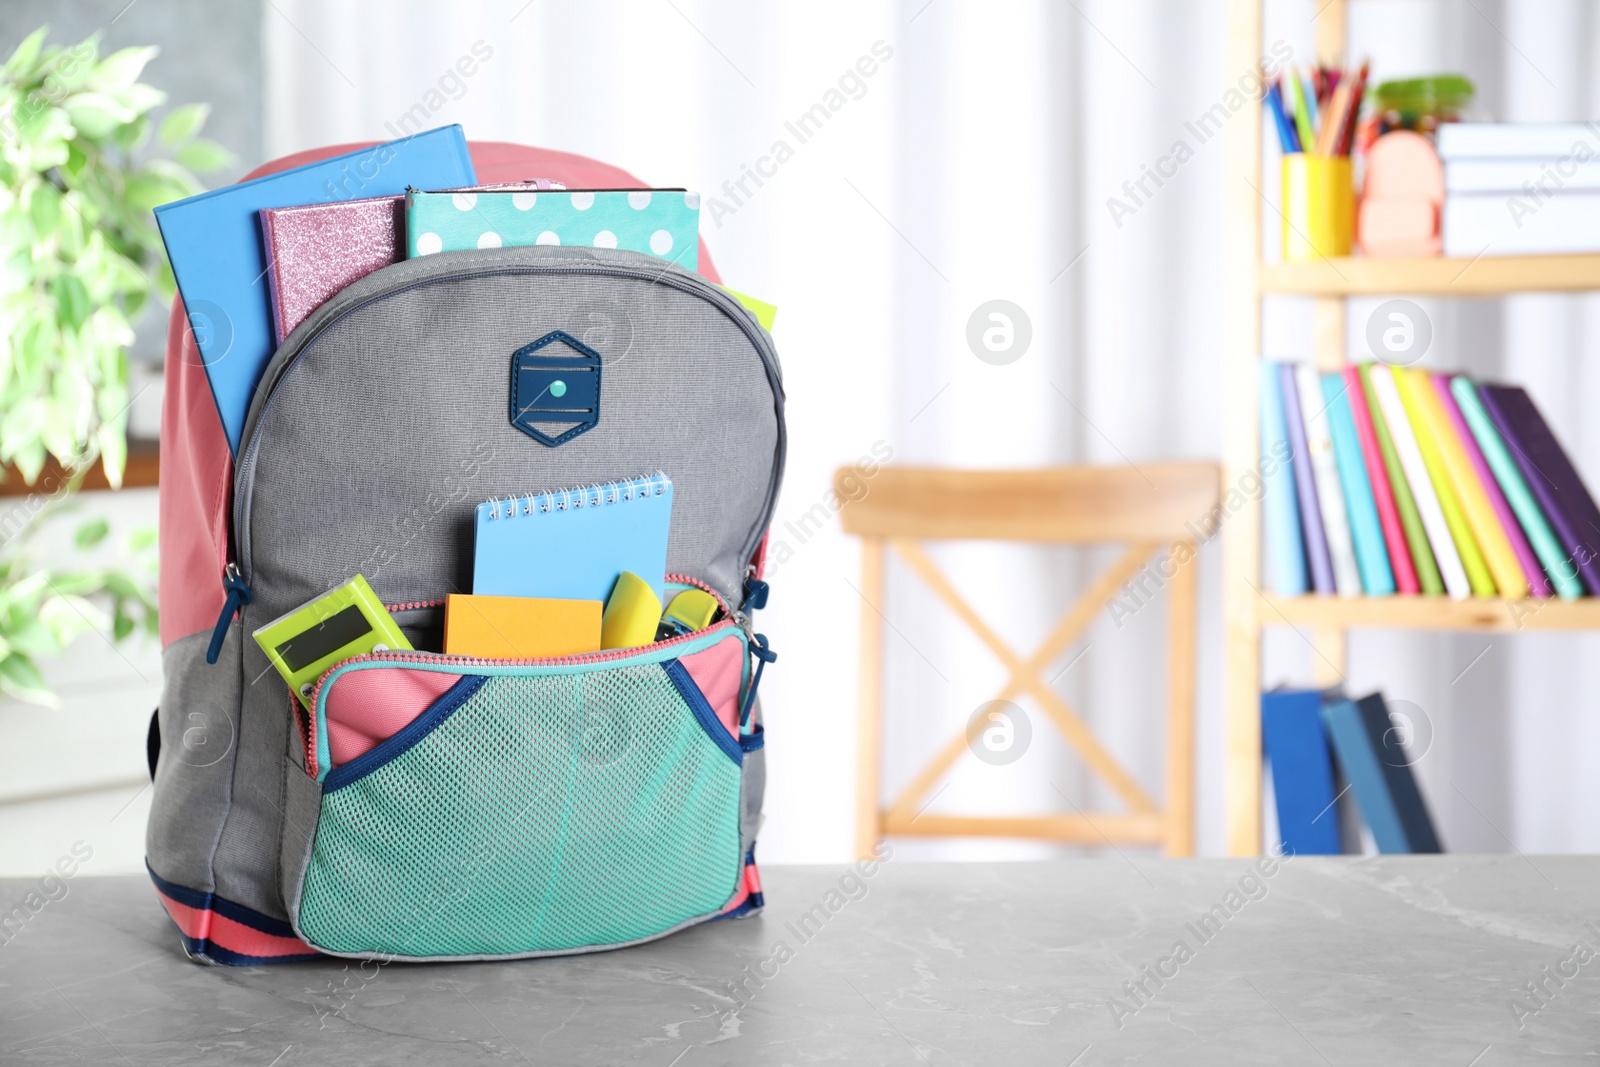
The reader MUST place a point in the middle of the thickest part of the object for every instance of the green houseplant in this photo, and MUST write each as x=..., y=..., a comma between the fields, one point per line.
x=81, y=164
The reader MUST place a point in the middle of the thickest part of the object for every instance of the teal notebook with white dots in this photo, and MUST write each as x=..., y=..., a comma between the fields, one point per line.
x=659, y=222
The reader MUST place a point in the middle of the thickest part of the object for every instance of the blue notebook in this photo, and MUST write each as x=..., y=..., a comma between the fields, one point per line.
x=214, y=243
x=1286, y=552
x=1372, y=555
x=572, y=544
x=1302, y=773
x=1379, y=772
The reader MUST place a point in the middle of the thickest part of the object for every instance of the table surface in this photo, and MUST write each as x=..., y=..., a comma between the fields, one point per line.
x=1414, y=960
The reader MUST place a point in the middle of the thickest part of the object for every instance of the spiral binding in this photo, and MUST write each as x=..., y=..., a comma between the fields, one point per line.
x=573, y=498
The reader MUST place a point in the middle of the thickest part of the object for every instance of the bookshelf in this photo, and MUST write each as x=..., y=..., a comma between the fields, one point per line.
x=1247, y=608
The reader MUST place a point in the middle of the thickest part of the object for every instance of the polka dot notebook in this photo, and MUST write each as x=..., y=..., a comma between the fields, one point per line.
x=660, y=222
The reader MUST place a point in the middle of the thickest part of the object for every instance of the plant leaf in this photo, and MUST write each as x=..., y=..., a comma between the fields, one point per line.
x=121, y=69
x=21, y=679
x=183, y=123
x=92, y=533
x=201, y=156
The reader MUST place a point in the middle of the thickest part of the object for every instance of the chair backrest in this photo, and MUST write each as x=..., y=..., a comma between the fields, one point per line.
x=1174, y=501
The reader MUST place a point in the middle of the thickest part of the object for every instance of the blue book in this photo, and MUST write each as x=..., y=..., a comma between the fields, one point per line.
x=1302, y=773
x=1372, y=555
x=1318, y=557
x=214, y=243
x=1286, y=551
x=571, y=544
x=1378, y=769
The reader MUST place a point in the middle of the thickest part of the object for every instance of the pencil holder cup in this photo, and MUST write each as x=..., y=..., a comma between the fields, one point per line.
x=1319, y=206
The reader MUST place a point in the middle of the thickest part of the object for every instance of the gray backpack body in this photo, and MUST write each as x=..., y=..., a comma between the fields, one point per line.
x=529, y=807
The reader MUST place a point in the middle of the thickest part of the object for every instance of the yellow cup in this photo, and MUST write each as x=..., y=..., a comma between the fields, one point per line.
x=1319, y=206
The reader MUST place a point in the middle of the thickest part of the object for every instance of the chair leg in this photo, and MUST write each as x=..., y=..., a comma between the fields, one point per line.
x=869, y=725
x=1181, y=627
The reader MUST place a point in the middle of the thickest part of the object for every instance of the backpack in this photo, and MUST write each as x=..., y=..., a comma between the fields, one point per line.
x=528, y=807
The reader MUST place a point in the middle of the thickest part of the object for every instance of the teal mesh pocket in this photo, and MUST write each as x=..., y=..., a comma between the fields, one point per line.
x=543, y=813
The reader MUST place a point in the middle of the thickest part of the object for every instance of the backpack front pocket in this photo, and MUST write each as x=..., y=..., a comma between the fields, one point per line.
x=532, y=810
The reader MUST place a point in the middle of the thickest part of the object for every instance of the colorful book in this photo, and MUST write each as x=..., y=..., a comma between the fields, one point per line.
x=1378, y=769
x=1302, y=773
x=1534, y=582
x=1330, y=498
x=314, y=250
x=573, y=544
x=1405, y=504
x=1428, y=426
x=1451, y=573
x=1285, y=548
x=1470, y=492
x=214, y=243
x=1372, y=559
x=1557, y=566
x=1394, y=535
x=1305, y=486
x=1550, y=474
x=660, y=222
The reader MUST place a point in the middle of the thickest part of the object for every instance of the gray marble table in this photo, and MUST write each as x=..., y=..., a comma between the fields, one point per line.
x=1400, y=960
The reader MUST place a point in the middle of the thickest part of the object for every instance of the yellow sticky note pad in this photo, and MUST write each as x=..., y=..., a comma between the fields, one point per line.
x=519, y=627
x=764, y=312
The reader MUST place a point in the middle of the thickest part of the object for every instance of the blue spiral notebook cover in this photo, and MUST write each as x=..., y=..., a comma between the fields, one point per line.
x=214, y=243
x=572, y=544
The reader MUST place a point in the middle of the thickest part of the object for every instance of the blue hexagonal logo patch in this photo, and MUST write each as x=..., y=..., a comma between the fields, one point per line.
x=555, y=388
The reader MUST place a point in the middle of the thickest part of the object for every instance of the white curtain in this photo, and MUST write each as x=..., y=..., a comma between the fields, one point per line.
x=976, y=161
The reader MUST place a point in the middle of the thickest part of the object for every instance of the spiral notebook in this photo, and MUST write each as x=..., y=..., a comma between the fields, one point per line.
x=571, y=544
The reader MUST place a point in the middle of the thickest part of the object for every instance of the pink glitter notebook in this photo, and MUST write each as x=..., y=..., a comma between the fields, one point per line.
x=314, y=251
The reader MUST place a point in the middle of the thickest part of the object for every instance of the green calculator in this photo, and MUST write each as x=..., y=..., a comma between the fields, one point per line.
x=349, y=621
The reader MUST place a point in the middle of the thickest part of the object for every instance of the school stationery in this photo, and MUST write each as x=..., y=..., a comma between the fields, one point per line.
x=314, y=250
x=1485, y=485
x=1559, y=569
x=690, y=610
x=347, y=621
x=1305, y=487
x=659, y=222
x=1285, y=548
x=1394, y=537
x=633, y=613
x=1416, y=537
x=572, y=544
x=1483, y=527
x=1330, y=498
x=1451, y=571
x=516, y=627
x=1378, y=768
x=1415, y=390
x=1366, y=532
x=1550, y=474
x=1302, y=774
x=214, y=243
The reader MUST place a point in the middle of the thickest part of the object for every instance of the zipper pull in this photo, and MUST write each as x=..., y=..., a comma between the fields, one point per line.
x=238, y=595
x=755, y=594
x=764, y=655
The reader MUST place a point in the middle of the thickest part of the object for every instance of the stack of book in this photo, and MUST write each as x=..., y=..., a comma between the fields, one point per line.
x=1306, y=734
x=1382, y=480
x=1520, y=188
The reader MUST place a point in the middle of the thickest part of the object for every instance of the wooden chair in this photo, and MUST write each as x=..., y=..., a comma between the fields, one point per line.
x=1152, y=509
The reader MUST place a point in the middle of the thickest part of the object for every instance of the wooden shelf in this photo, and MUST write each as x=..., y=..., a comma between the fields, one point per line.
x=142, y=471
x=1433, y=276
x=1481, y=614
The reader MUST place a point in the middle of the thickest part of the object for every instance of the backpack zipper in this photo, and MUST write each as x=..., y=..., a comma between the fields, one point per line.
x=600, y=657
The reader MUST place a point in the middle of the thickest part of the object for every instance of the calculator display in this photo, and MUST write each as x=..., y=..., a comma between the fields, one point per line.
x=327, y=637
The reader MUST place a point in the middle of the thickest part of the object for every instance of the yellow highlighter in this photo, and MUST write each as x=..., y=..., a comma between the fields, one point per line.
x=690, y=610
x=632, y=613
